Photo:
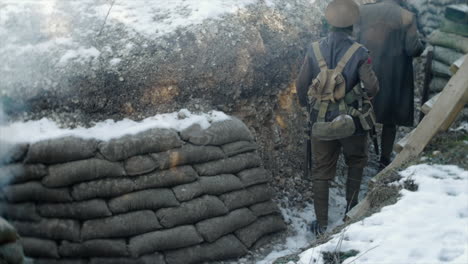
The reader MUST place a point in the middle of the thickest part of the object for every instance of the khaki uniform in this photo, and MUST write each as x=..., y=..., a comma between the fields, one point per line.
x=325, y=153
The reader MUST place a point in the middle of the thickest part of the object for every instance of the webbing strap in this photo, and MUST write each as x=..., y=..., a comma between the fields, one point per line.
x=318, y=55
x=322, y=111
x=346, y=57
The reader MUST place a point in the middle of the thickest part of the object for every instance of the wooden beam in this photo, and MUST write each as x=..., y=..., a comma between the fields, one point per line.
x=453, y=97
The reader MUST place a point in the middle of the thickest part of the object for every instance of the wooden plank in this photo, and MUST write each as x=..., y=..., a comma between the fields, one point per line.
x=402, y=142
x=454, y=96
x=457, y=64
x=429, y=104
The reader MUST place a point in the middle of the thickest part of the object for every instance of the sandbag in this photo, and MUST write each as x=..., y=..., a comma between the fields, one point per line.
x=106, y=188
x=7, y=232
x=39, y=248
x=187, y=154
x=36, y=192
x=149, y=259
x=19, y=173
x=94, y=248
x=59, y=261
x=440, y=69
x=179, y=237
x=254, y=176
x=227, y=247
x=219, y=133
x=438, y=84
x=239, y=147
x=151, y=199
x=81, y=171
x=149, y=141
x=192, y=211
x=140, y=165
x=213, y=185
x=249, y=196
x=446, y=55
x=167, y=178
x=54, y=229
x=120, y=226
x=20, y=211
x=449, y=40
x=77, y=210
x=11, y=253
x=228, y=165
x=214, y=228
x=12, y=152
x=452, y=27
x=263, y=226
x=264, y=208
x=61, y=150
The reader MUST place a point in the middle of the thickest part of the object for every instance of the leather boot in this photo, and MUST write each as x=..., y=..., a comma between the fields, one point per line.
x=321, y=202
x=353, y=184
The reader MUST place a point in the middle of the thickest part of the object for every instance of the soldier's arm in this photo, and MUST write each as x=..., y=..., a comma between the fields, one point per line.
x=413, y=44
x=368, y=78
x=303, y=80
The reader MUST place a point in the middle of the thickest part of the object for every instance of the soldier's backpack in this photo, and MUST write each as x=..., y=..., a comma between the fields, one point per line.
x=328, y=93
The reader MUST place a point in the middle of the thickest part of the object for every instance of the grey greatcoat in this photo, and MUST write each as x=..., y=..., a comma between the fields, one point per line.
x=390, y=34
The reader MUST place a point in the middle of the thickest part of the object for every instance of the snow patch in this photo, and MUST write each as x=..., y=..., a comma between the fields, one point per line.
x=33, y=131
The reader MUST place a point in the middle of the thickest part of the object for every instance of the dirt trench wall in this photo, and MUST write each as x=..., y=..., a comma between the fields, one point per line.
x=158, y=196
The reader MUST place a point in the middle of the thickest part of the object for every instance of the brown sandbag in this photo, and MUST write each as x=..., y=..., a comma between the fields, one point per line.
x=192, y=211
x=449, y=40
x=219, y=133
x=19, y=211
x=214, y=228
x=61, y=150
x=77, y=210
x=7, y=232
x=264, y=208
x=36, y=192
x=254, y=176
x=140, y=165
x=39, y=248
x=70, y=173
x=229, y=165
x=166, y=178
x=249, y=196
x=11, y=253
x=106, y=188
x=227, y=247
x=263, y=226
x=120, y=226
x=94, y=248
x=187, y=154
x=213, y=185
x=149, y=141
x=239, y=147
x=12, y=152
x=54, y=229
x=151, y=199
x=19, y=173
x=149, y=259
x=179, y=237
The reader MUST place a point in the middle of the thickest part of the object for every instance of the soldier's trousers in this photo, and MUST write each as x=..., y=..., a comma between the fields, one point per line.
x=324, y=159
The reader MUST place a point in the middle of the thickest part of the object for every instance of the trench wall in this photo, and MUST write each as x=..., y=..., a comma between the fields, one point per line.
x=159, y=196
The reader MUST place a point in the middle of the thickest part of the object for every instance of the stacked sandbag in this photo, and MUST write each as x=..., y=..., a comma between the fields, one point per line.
x=11, y=251
x=159, y=196
x=450, y=43
x=429, y=13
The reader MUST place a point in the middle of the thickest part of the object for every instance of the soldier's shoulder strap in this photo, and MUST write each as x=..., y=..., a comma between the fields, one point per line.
x=318, y=55
x=346, y=57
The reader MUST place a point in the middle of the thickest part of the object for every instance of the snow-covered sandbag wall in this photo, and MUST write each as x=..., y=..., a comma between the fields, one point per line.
x=188, y=193
x=78, y=62
x=430, y=12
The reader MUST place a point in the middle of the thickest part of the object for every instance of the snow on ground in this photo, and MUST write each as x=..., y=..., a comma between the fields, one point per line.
x=429, y=225
x=32, y=131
